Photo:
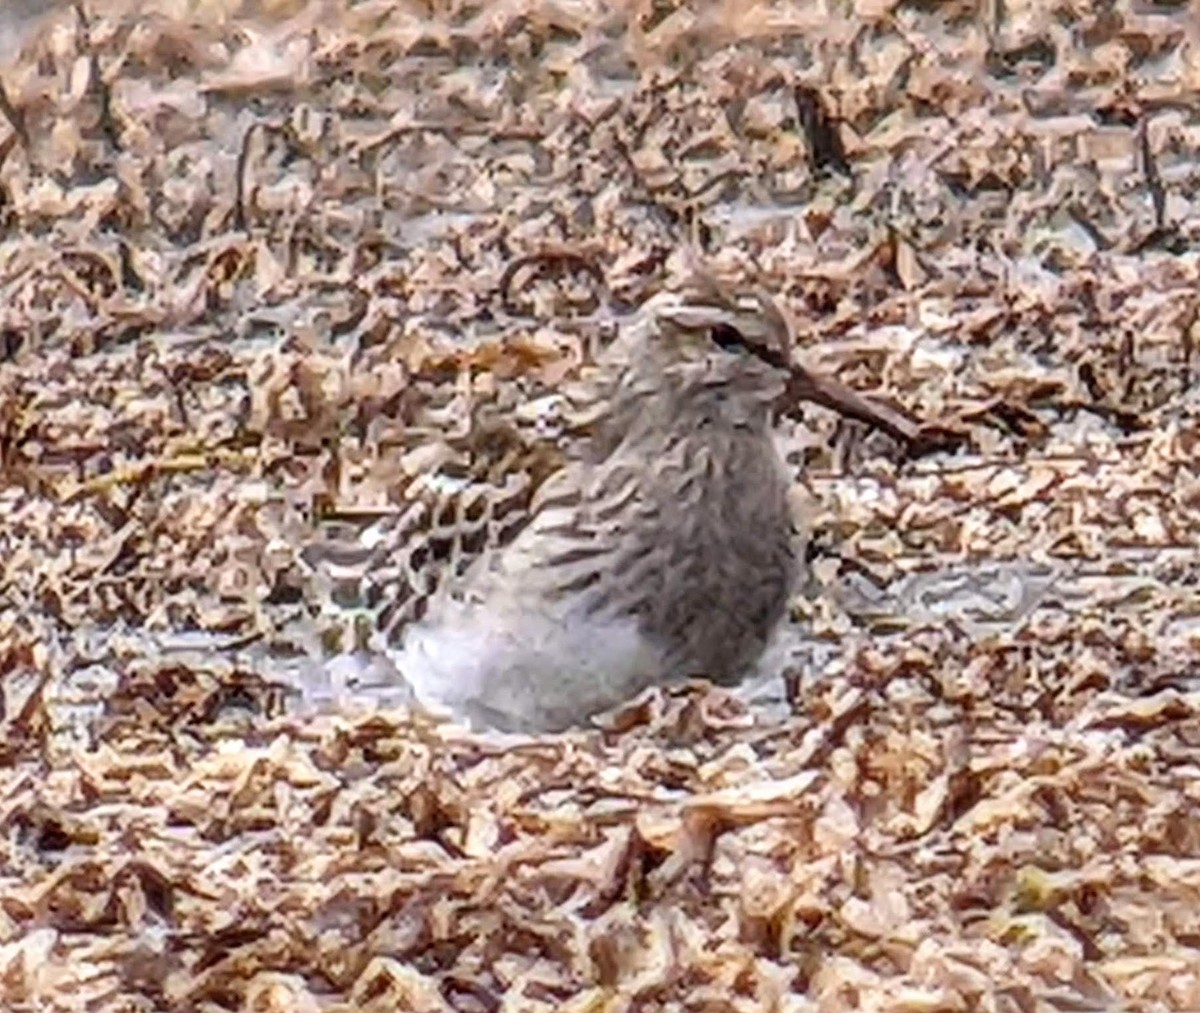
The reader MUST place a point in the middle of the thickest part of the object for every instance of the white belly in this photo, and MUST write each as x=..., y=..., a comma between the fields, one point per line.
x=526, y=671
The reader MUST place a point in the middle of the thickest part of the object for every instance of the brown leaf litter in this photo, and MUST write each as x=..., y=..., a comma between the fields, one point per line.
x=266, y=267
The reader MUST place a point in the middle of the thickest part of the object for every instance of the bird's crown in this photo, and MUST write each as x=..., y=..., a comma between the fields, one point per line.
x=703, y=314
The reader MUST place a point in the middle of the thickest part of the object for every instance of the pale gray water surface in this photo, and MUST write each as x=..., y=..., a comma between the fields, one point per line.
x=980, y=599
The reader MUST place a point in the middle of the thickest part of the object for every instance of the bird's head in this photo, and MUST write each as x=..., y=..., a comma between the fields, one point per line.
x=704, y=342
x=705, y=335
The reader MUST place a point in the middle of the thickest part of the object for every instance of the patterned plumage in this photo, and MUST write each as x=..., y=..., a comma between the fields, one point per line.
x=664, y=549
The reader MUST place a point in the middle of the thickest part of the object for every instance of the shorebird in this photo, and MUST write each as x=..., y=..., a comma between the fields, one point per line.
x=665, y=550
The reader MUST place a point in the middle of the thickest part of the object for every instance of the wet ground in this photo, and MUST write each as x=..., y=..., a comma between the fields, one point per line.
x=243, y=274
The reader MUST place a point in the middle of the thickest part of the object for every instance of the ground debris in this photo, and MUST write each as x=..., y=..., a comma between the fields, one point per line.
x=350, y=259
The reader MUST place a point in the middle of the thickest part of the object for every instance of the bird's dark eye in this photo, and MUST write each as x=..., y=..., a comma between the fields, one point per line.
x=727, y=337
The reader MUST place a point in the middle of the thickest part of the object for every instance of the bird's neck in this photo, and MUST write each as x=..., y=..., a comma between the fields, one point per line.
x=676, y=409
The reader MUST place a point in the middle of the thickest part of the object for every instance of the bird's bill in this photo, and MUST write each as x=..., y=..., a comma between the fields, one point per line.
x=806, y=385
